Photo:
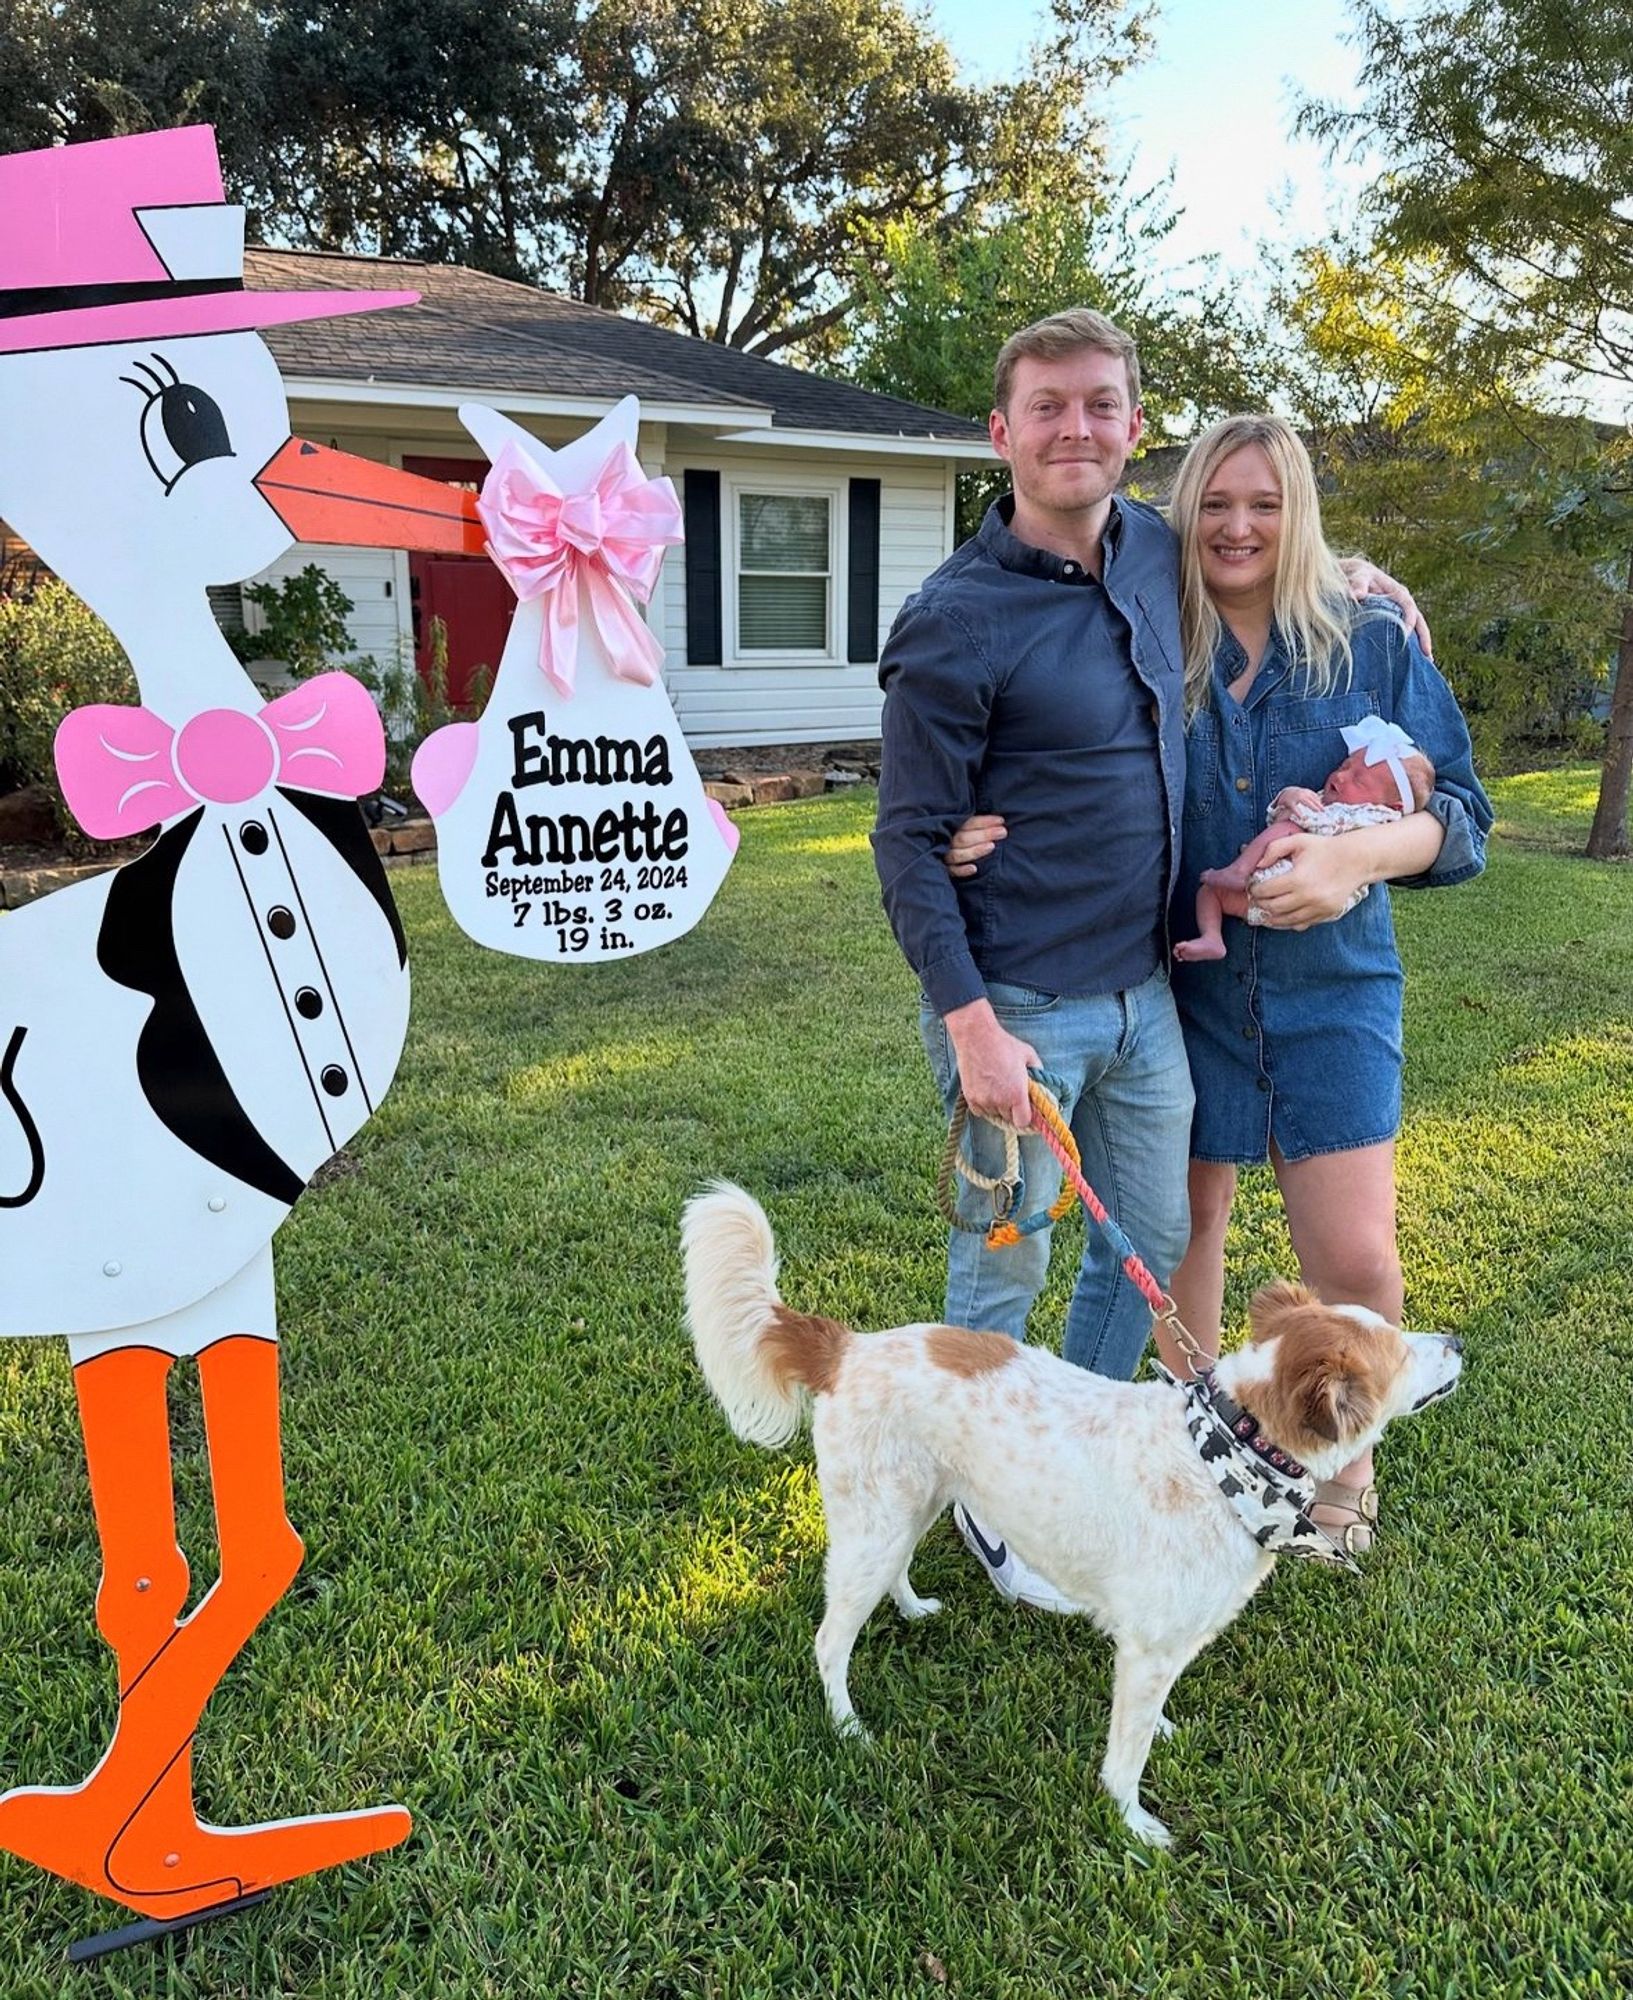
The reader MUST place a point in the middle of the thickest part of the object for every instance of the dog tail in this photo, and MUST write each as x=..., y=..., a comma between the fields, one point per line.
x=762, y=1361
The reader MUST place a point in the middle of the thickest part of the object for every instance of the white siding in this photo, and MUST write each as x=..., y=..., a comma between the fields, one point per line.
x=749, y=700
x=743, y=701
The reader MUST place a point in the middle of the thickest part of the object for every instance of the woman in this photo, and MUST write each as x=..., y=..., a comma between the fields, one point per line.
x=1294, y=1037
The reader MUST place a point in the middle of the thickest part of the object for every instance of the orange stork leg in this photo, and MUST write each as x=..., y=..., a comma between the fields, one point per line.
x=130, y=1830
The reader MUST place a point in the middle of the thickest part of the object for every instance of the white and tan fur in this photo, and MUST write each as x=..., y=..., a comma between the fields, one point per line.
x=1092, y=1482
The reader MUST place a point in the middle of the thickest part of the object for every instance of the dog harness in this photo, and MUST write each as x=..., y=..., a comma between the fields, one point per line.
x=1269, y=1490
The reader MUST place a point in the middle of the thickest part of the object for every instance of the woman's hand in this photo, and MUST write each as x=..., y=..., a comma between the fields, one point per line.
x=974, y=841
x=1320, y=885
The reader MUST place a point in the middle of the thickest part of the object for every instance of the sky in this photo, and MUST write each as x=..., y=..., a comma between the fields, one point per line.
x=1215, y=103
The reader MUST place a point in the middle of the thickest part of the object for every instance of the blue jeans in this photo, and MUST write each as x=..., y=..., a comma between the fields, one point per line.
x=1116, y=1064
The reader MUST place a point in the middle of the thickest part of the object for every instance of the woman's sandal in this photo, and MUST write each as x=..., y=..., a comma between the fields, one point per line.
x=1360, y=1503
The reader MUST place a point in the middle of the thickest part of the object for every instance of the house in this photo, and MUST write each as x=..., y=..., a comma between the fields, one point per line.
x=813, y=508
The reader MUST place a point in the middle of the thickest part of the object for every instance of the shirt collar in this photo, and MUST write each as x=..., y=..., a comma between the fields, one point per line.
x=1001, y=542
x=1230, y=657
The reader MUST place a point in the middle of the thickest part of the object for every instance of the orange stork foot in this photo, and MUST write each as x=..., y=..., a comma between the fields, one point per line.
x=160, y=1859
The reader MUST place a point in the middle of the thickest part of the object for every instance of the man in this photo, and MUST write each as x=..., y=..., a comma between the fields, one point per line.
x=1038, y=675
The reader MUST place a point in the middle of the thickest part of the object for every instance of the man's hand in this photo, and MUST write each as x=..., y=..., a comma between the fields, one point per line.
x=1318, y=887
x=974, y=841
x=992, y=1065
x=1366, y=580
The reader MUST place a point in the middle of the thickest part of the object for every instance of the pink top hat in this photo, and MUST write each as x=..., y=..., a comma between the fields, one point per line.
x=133, y=239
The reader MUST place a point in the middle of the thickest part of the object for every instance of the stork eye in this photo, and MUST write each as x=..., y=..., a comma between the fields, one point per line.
x=182, y=425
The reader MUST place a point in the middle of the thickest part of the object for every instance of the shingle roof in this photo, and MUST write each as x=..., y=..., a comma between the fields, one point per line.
x=489, y=335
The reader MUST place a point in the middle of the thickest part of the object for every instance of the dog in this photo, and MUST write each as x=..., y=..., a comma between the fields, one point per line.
x=1098, y=1484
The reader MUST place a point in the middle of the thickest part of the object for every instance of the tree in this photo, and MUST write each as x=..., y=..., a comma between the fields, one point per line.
x=740, y=162
x=717, y=164
x=425, y=128
x=1508, y=125
x=930, y=329
x=94, y=69
x=1461, y=483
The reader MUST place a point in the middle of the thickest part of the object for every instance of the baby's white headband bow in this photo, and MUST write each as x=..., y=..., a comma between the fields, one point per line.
x=1384, y=743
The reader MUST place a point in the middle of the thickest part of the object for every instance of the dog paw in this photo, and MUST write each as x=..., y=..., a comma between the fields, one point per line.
x=852, y=1729
x=1165, y=1726
x=914, y=1608
x=1147, y=1827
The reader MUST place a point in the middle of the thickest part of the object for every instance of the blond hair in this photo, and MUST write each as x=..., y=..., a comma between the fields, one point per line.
x=1312, y=602
x=1060, y=334
x=1420, y=777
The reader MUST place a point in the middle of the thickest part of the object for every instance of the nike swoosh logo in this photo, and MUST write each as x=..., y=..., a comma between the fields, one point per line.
x=998, y=1556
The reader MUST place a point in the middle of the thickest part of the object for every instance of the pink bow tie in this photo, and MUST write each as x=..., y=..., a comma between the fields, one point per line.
x=125, y=769
x=612, y=535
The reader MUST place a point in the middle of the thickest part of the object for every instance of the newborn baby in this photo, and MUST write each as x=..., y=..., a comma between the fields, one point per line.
x=1382, y=779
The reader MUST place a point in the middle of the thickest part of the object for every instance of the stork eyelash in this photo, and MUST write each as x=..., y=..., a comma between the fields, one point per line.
x=155, y=384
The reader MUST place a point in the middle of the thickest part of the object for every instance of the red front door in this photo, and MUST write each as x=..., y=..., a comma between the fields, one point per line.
x=467, y=593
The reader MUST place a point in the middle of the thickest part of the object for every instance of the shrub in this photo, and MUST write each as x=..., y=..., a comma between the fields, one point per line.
x=303, y=622
x=55, y=654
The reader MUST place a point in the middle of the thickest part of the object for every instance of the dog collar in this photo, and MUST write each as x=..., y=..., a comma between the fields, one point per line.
x=1269, y=1491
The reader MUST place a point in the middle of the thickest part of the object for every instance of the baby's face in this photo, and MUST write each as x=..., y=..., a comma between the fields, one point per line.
x=1358, y=783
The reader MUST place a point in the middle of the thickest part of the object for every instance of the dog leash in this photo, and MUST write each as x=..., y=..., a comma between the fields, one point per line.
x=1269, y=1491
x=1005, y=1188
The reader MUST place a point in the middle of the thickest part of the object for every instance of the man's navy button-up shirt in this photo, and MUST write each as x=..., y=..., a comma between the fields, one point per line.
x=1017, y=683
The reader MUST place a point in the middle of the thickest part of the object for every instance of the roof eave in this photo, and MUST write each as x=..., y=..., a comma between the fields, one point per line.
x=749, y=419
x=888, y=443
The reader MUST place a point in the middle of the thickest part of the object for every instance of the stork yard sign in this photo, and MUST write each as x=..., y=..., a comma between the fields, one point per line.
x=571, y=821
x=185, y=1039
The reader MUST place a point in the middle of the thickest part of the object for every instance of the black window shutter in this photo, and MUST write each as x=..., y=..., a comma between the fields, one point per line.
x=864, y=570
x=702, y=503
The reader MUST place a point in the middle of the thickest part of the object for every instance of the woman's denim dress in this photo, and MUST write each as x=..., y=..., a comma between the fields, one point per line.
x=1295, y=1036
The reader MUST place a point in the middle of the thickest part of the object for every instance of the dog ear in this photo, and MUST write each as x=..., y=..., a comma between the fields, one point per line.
x=1339, y=1395
x=1329, y=1380
x=1272, y=1303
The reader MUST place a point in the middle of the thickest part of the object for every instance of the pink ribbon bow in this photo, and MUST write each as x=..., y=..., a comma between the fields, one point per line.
x=611, y=535
x=125, y=769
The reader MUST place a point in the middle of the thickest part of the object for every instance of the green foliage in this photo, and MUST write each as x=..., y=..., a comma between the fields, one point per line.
x=1502, y=215
x=93, y=69
x=1506, y=124
x=1499, y=514
x=720, y=164
x=413, y=705
x=930, y=327
x=556, y=1609
x=303, y=622
x=55, y=655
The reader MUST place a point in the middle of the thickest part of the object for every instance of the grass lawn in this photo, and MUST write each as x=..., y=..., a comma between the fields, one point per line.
x=551, y=1605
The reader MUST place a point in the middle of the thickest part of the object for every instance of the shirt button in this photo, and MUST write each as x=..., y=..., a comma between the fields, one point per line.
x=253, y=837
x=1242, y=784
x=335, y=1080
x=1264, y=1083
x=1071, y=569
x=309, y=1003
x=1250, y=1033
x=281, y=922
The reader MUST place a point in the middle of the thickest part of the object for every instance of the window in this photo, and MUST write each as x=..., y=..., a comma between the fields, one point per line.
x=784, y=572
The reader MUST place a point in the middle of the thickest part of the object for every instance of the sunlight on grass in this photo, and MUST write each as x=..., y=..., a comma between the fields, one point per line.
x=714, y=1573
x=651, y=1055
x=556, y=1608
x=834, y=843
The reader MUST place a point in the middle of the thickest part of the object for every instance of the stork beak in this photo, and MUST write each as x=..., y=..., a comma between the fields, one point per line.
x=322, y=495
